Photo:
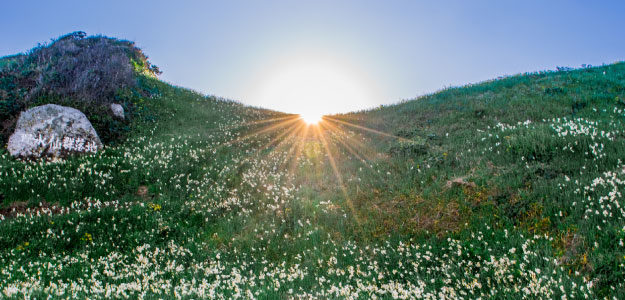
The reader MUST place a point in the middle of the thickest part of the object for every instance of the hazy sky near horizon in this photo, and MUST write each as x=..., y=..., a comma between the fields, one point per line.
x=280, y=54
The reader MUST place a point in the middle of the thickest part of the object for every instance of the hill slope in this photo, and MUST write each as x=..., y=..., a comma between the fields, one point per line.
x=503, y=189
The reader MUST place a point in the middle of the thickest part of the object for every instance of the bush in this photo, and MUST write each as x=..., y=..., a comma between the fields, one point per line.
x=86, y=73
x=89, y=69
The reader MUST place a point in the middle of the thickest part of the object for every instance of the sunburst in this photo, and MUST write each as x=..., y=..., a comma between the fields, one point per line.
x=291, y=133
x=311, y=118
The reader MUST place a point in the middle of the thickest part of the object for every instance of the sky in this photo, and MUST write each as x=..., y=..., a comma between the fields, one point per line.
x=333, y=56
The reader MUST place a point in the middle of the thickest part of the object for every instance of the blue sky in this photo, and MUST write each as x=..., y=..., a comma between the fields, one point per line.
x=384, y=51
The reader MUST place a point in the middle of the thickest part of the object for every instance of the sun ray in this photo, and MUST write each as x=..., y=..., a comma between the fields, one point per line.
x=252, y=123
x=366, y=151
x=299, y=145
x=341, y=136
x=292, y=142
x=263, y=130
x=365, y=128
x=295, y=133
x=337, y=174
x=249, y=156
x=264, y=121
x=276, y=127
x=269, y=120
x=338, y=139
x=294, y=137
x=273, y=127
x=288, y=132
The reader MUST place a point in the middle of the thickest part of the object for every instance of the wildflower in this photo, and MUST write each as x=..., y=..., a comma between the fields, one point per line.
x=155, y=207
x=87, y=237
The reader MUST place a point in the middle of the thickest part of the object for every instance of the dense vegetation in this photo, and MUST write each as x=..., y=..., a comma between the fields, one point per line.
x=85, y=73
x=509, y=188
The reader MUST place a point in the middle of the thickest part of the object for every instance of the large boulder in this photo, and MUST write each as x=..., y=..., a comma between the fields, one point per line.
x=53, y=130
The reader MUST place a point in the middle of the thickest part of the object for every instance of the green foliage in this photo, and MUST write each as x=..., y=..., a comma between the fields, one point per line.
x=86, y=73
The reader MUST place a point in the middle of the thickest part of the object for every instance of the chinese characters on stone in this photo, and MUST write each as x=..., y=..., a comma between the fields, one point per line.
x=66, y=143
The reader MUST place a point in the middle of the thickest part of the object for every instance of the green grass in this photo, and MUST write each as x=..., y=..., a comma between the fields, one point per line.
x=232, y=211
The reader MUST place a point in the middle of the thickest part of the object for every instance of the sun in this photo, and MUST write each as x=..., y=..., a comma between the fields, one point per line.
x=313, y=86
x=311, y=118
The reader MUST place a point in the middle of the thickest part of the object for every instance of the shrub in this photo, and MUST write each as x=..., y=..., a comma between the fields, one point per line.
x=87, y=69
x=87, y=73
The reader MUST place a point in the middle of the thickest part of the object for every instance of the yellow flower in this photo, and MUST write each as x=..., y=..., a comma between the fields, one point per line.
x=87, y=237
x=155, y=207
x=22, y=246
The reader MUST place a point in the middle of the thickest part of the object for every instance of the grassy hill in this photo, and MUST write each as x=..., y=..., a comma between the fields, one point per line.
x=84, y=72
x=505, y=189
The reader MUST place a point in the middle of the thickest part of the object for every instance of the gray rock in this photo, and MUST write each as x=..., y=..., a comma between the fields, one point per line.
x=53, y=130
x=118, y=110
